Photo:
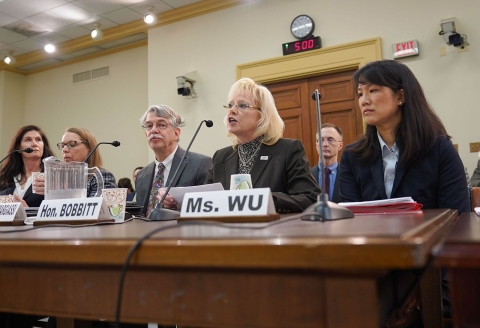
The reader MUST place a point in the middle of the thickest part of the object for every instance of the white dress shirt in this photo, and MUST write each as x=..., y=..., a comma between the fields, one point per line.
x=390, y=159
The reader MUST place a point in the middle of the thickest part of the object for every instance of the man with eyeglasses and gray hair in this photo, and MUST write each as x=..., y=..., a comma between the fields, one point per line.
x=331, y=144
x=162, y=129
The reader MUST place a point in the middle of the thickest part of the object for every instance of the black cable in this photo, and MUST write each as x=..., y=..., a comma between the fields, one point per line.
x=139, y=242
x=64, y=225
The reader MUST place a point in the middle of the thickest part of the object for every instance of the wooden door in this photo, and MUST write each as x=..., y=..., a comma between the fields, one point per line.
x=338, y=106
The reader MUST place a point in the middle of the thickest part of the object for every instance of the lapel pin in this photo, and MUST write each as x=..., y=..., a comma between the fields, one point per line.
x=264, y=158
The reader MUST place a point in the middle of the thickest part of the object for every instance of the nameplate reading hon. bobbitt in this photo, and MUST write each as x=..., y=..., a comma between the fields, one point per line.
x=73, y=209
x=246, y=202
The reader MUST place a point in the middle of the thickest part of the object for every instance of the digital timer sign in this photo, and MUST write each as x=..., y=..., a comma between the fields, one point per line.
x=301, y=45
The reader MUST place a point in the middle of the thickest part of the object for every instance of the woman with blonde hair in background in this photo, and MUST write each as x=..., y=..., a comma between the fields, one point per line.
x=75, y=146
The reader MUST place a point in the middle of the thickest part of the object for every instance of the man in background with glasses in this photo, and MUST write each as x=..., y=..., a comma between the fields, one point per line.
x=331, y=144
x=162, y=129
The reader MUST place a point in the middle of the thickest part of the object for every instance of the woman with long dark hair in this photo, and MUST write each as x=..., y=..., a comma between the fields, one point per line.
x=405, y=151
x=16, y=170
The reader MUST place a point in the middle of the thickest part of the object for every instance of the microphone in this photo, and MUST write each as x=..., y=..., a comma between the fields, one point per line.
x=164, y=214
x=26, y=150
x=113, y=143
x=323, y=209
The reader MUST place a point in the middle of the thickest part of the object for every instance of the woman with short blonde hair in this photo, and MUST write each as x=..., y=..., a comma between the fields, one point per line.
x=270, y=124
x=273, y=162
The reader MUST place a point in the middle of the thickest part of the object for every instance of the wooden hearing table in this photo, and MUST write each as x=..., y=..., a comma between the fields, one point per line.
x=460, y=254
x=346, y=273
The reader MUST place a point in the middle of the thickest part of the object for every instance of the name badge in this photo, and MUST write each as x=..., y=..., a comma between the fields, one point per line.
x=10, y=212
x=73, y=209
x=245, y=202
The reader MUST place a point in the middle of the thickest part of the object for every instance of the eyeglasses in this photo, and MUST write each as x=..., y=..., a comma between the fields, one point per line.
x=70, y=144
x=242, y=106
x=331, y=141
x=160, y=126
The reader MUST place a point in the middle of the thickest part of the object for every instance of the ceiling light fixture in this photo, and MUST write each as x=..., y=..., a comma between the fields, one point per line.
x=9, y=59
x=96, y=32
x=50, y=47
x=150, y=17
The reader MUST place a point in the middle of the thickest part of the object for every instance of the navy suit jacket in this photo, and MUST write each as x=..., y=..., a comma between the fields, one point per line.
x=436, y=180
x=192, y=173
x=32, y=200
x=282, y=167
x=336, y=187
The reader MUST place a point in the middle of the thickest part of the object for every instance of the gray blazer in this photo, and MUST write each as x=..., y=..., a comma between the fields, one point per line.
x=475, y=180
x=336, y=187
x=192, y=173
x=282, y=167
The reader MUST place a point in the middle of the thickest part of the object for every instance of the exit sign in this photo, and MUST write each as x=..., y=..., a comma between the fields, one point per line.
x=405, y=49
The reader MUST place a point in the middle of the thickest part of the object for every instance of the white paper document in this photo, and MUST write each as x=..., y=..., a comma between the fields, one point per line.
x=178, y=192
x=380, y=202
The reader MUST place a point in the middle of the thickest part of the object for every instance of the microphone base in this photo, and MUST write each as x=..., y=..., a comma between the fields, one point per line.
x=327, y=211
x=163, y=214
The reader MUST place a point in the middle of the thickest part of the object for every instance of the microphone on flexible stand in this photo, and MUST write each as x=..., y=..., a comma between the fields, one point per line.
x=26, y=150
x=113, y=143
x=163, y=214
x=323, y=209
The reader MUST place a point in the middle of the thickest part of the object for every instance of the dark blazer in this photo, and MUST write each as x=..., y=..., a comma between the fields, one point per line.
x=192, y=173
x=336, y=187
x=32, y=200
x=130, y=196
x=284, y=169
x=437, y=180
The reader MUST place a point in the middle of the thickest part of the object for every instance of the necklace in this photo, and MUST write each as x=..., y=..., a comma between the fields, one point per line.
x=247, y=154
x=250, y=159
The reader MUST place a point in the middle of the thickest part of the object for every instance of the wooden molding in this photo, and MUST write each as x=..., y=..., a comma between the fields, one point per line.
x=195, y=9
x=343, y=57
x=322, y=61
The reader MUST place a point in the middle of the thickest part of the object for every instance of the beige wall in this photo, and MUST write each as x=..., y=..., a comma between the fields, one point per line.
x=214, y=44
x=109, y=106
x=12, y=103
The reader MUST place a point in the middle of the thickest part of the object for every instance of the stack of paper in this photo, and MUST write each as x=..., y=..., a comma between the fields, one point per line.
x=385, y=206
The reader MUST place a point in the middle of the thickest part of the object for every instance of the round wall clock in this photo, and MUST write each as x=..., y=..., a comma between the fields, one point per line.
x=302, y=26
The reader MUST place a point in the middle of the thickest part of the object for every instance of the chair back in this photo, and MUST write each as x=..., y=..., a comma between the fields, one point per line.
x=475, y=197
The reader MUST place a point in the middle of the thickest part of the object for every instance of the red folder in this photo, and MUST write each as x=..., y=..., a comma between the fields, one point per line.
x=387, y=206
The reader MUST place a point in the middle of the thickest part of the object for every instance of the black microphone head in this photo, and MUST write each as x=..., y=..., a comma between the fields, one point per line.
x=115, y=143
x=319, y=95
x=208, y=123
x=28, y=150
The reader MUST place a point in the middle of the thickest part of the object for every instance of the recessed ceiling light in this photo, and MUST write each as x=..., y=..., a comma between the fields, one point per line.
x=50, y=48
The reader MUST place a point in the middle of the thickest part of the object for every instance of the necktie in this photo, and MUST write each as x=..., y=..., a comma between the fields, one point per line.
x=157, y=184
x=327, y=181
